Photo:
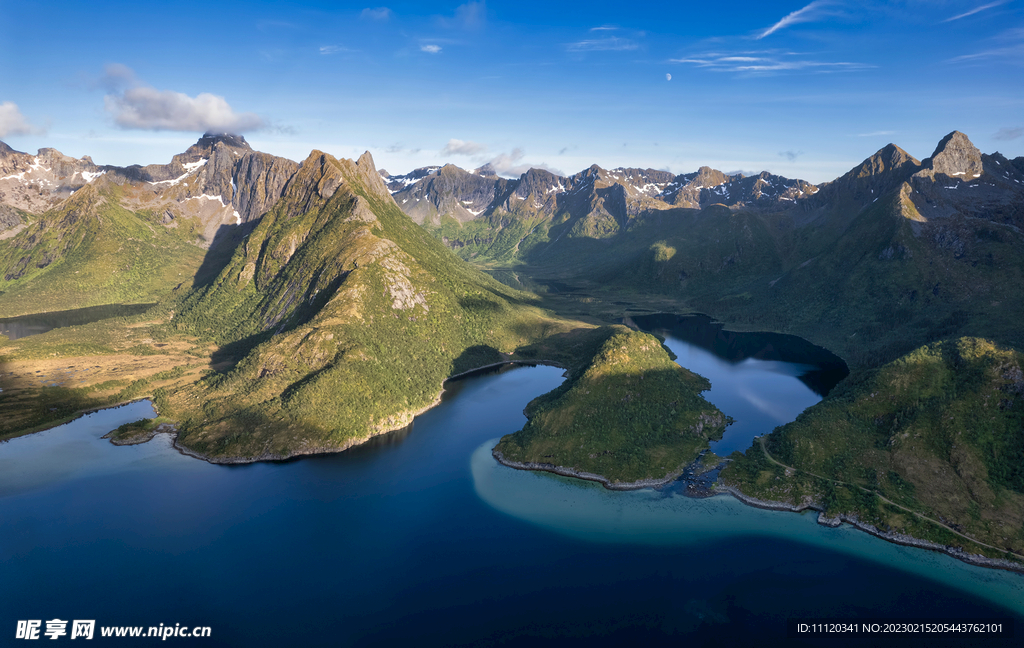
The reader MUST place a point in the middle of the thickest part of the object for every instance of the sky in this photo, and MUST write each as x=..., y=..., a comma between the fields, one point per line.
x=805, y=90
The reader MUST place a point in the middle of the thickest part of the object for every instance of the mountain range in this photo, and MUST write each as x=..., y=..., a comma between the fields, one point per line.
x=304, y=307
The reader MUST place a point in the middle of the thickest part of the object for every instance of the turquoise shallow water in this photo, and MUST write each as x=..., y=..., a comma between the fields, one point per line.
x=420, y=537
x=590, y=512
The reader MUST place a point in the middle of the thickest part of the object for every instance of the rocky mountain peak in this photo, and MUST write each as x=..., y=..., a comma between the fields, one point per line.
x=367, y=171
x=209, y=142
x=5, y=149
x=887, y=158
x=708, y=177
x=956, y=156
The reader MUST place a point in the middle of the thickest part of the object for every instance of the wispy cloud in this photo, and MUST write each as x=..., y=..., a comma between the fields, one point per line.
x=976, y=10
x=1007, y=134
x=1010, y=48
x=378, y=13
x=604, y=28
x=135, y=105
x=327, y=50
x=460, y=147
x=876, y=133
x=399, y=147
x=430, y=49
x=767, y=61
x=12, y=122
x=471, y=15
x=790, y=154
x=810, y=13
x=610, y=44
x=511, y=165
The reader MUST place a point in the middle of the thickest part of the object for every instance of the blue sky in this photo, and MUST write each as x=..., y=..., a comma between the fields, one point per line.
x=801, y=89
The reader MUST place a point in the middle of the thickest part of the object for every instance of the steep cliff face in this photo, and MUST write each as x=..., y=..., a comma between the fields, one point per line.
x=217, y=167
x=958, y=181
x=449, y=191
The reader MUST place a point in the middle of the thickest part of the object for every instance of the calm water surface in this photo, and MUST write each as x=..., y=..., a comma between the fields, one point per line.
x=762, y=380
x=420, y=538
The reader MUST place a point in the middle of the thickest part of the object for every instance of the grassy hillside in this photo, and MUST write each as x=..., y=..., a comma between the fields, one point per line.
x=939, y=431
x=629, y=414
x=88, y=251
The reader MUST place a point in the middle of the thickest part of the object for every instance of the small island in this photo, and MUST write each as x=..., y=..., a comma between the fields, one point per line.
x=630, y=418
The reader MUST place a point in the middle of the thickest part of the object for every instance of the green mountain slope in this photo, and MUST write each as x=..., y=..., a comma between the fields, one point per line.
x=939, y=431
x=89, y=250
x=345, y=318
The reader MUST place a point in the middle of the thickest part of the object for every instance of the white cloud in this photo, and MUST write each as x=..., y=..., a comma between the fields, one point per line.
x=430, y=49
x=379, y=13
x=810, y=13
x=12, y=122
x=604, y=28
x=510, y=165
x=611, y=44
x=459, y=147
x=766, y=61
x=976, y=10
x=142, y=107
x=876, y=133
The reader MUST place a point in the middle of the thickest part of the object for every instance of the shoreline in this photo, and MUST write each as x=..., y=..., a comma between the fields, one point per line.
x=889, y=536
x=579, y=474
x=406, y=419
x=976, y=560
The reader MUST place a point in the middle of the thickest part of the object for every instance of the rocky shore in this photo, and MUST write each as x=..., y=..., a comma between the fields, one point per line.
x=891, y=536
x=579, y=474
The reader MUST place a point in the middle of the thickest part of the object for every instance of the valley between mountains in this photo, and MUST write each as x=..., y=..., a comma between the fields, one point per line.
x=284, y=308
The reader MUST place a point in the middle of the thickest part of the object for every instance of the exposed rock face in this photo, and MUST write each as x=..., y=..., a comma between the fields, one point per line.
x=259, y=180
x=447, y=191
x=956, y=156
x=224, y=166
x=9, y=218
x=607, y=198
x=959, y=181
x=397, y=183
x=868, y=181
x=34, y=183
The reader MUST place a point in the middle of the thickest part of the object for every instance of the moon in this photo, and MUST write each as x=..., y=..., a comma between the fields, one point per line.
x=668, y=77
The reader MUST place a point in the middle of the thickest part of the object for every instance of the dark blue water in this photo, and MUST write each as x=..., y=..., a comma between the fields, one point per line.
x=422, y=539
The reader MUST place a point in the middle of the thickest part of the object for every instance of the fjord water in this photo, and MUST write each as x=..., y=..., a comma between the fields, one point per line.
x=761, y=380
x=419, y=537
